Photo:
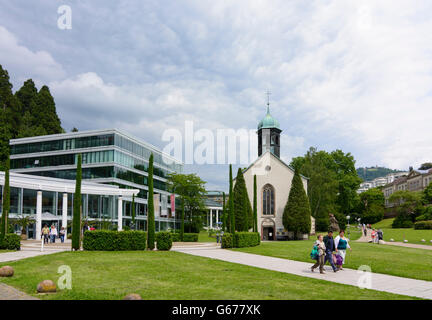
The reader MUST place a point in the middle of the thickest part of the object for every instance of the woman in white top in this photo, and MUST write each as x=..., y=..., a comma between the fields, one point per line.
x=341, y=244
x=53, y=233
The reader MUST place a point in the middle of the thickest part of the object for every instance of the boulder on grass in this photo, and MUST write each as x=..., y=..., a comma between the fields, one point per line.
x=6, y=271
x=381, y=242
x=46, y=286
x=405, y=241
x=392, y=240
x=423, y=240
x=132, y=296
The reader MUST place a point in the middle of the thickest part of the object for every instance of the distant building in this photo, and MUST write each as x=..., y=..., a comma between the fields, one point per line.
x=380, y=181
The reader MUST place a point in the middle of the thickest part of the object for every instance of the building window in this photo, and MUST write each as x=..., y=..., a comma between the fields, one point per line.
x=268, y=200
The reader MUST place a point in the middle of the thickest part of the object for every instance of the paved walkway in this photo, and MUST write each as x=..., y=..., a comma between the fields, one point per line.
x=368, y=238
x=32, y=248
x=10, y=293
x=380, y=282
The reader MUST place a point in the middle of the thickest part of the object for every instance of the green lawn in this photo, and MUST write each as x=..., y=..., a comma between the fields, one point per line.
x=204, y=237
x=393, y=260
x=172, y=275
x=413, y=236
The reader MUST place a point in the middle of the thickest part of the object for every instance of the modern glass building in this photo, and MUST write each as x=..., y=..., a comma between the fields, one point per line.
x=108, y=157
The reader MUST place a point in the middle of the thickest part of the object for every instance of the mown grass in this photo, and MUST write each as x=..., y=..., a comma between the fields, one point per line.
x=172, y=275
x=393, y=260
x=401, y=234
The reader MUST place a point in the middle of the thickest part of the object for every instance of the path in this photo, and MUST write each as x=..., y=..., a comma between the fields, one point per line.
x=380, y=282
x=368, y=238
x=32, y=248
x=10, y=293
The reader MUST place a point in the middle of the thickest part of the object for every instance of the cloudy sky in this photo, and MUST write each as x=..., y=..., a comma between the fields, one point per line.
x=354, y=75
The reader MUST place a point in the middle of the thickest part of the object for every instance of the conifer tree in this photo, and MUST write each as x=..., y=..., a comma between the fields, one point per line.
x=76, y=220
x=231, y=203
x=150, y=215
x=255, y=209
x=297, y=213
x=242, y=207
x=224, y=218
x=6, y=203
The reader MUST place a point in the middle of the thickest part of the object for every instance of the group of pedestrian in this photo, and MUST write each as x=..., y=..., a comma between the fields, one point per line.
x=329, y=249
x=377, y=235
x=49, y=234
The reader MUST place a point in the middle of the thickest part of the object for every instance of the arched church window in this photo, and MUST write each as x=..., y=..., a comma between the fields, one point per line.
x=268, y=200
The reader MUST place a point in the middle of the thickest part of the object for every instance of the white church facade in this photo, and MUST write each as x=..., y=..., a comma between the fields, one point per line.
x=274, y=179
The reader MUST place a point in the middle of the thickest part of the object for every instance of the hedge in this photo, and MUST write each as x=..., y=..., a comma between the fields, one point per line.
x=241, y=240
x=187, y=237
x=107, y=240
x=423, y=225
x=11, y=241
x=163, y=240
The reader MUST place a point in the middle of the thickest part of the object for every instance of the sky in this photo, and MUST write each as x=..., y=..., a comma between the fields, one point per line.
x=344, y=74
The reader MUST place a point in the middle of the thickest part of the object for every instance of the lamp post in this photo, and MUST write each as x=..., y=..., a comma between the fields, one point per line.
x=348, y=218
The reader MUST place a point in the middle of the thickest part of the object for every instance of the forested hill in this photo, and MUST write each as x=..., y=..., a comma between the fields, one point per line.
x=367, y=174
x=26, y=113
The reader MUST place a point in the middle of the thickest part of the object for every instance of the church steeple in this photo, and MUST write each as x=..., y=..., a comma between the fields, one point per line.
x=269, y=133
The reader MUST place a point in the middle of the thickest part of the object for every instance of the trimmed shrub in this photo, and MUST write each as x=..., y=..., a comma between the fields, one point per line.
x=423, y=225
x=163, y=240
x=246, y=239
x=192, y=227
x=227, y=240
x=241, y=240
x=402, y=221
x=11, y=241
x=106, y=240
x=187, y=237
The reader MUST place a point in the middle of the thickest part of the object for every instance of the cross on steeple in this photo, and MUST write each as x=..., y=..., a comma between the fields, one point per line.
x=268, y=93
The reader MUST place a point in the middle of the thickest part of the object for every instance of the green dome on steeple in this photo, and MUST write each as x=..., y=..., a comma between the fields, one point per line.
x=268, y=121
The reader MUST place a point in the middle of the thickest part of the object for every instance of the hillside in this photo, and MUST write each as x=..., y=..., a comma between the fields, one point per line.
x=367, y=174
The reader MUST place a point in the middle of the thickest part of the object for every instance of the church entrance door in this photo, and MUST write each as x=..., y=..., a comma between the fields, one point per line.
x=268, y=233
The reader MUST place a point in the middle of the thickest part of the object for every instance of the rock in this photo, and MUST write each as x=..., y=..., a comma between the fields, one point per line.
x=6, y=271
x=381, y=242
x=423, y=240
x=46, y=286
x=392, y=240
x=431, y=241
x=405, y=241
x=132, y=296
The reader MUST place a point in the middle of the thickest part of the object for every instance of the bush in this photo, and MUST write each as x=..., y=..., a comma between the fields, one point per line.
x=227, y=240
x=187, y=237
x=246, y=239
x=423, y=225
x=11, y=241
x=373, y=214
x=163, y=240
x=400, y=223
x=192, y=227
x=106, y=240
x=241, y=240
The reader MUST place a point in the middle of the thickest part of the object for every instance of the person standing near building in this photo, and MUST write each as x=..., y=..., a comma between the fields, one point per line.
x=341, y=244
x=62, y=234
x=45, y=233
x=330, y=247
x=53, y=233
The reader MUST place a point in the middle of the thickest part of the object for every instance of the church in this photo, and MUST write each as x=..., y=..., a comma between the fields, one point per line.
x=274, y=179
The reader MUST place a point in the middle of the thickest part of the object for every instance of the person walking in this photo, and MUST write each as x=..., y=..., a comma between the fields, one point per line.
x=364, y=230
x=373, y=235
x=330, y=247
x=62, y=234
x=341, y=244
x=45, y=233
x=53, y=233
x=319, y=244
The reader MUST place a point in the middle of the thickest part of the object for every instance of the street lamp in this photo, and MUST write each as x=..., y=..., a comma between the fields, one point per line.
x=348, y=218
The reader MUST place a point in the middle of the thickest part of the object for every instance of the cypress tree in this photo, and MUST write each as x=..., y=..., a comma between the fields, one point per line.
x=182, y=218
x=297, y=213
x=224, y=218
x=76, y=220
x=6, y=203
x=150, y=215
x=45, y=112
x=242, y=207
x=255, y=210
x=231, y=203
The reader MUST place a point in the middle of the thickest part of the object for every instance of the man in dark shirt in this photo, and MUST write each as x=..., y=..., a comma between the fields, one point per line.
x=330, y=247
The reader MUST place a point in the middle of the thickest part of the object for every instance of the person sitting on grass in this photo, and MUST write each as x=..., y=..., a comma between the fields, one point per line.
x=321, y=254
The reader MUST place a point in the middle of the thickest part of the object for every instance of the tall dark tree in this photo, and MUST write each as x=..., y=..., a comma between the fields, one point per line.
x=150, y=215
x=45, y=111
x=6, y=203
x=255, y=209
x=77, y=208
x=26, y=96
x=242, y=207
x=224, y=215
x=231, y=219
x=297, y=213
